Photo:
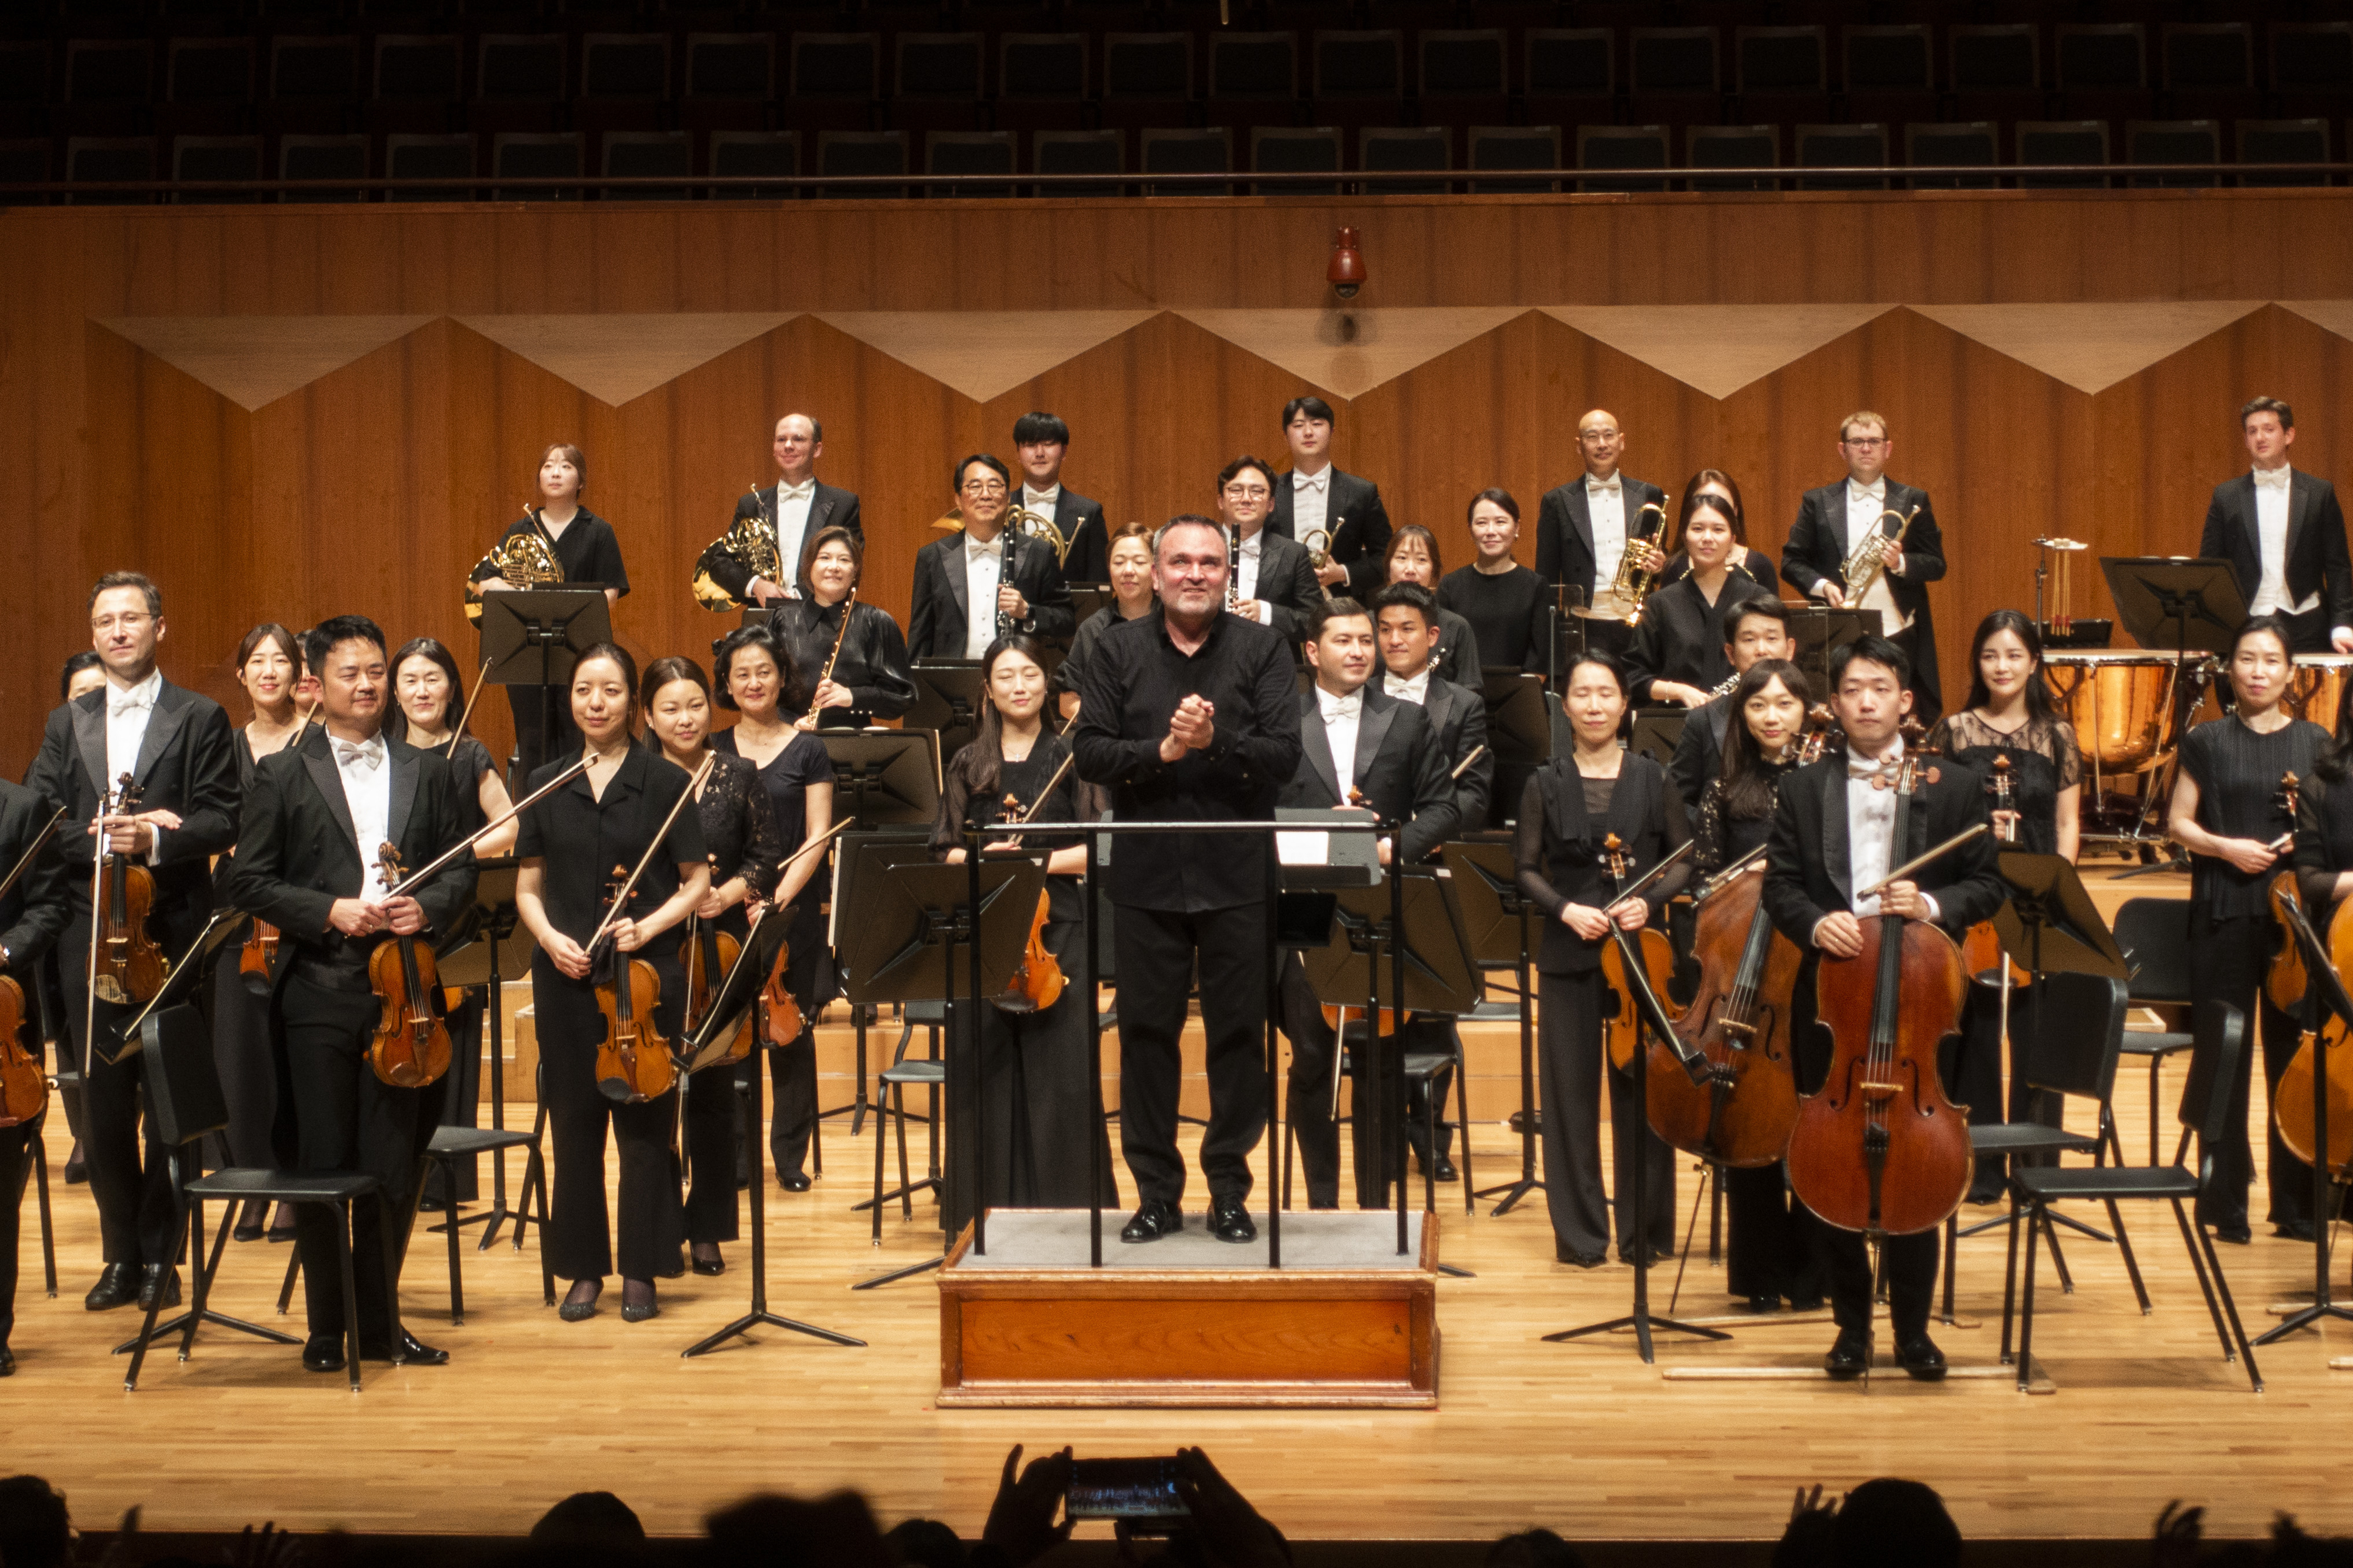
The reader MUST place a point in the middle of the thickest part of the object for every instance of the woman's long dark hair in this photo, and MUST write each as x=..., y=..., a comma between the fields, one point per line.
x=1694, y=492
x=980, y=765
x=2038, y=696
x=1748, y=785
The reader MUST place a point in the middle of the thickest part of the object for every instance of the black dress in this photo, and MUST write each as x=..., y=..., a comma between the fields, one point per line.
x=1044, y=1135
x=1509, y=615
x=873, y=662
x=590, y=553
x=739, y=832
x=579, y=840
x=1082, y=647
x=1682, y=637
x=2238, y=772
x=792, y=1069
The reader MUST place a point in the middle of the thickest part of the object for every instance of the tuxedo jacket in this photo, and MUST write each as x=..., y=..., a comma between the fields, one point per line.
x=187, y=764
x=1287, y=584
x=1397, y=766
x=1353, y=516
x=33, y=913
x=1809, y=870
x=1699, y=750
x=296, y=854
x=828, y=508
x=2315, y=560
x=937, y=627
x=1817, y=550
x=1081, y=520
x=1458, y=718
x=1564, y=530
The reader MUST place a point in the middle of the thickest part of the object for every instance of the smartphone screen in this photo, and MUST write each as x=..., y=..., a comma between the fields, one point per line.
x=1136, y=1490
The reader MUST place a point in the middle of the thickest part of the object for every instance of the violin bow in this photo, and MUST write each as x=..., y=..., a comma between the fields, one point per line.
x=459, y=733
x=621, y=897
x=23, y=862
x=434, y=867
x=1913, y=864
x=820, y=842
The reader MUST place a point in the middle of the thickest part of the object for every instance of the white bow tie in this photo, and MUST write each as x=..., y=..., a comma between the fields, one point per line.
x=802, y=491
x=121, y=702
x=1399, y=685
x=995, y=547
x=1610, y=486
x=1883, y=768
x=1299, y=482
x=366, y=754
x=1869, y=493
x=2271, y=479
x=1347, y=707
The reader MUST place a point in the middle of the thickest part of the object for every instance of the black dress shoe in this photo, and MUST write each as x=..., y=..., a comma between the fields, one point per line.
x=1920, y=1357
x=1446, y=1171
x=159, y=1286
x=1764, y=1303
x=2236, y=1235
x=579, y=1311
x=8, y=1361
x=1850, y=1355
x=117, y=1285
x=1805, y=1303
x=637, y=1302
x=1229, y=1220
x=322, y=1352
x=2295, y=1230
x=796, y=1183
x=1153, y=1220
x=253, y=1222
x=1570, y=1256
x=715, y=1263
x=413, y=1351
x=77, y=1169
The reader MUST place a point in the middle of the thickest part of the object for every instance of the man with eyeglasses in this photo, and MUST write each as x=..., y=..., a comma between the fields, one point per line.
x=1314, y=494
x=1274, y=583
x=966, y=581
x=1836, y=519
x=178, y=747
x=1582, y=526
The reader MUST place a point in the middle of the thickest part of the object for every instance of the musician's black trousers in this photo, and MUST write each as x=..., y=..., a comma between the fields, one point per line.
x=137, y=1218
x=714, y=1116
x=1970, y=1064
x=337, y=1116
x=2230, y=957
x=241, y=1055
x=1770, y=1242
x=1307, y=1101
x=14, y=1143
x=1569, y=1072
x=1156, y=952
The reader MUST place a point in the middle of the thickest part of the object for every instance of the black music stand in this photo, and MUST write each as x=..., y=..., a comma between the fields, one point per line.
x=1495, y=913
x=2330, y=986
x=730, y=1003
x=2179, y=604
x=1566, y=633
x=883, y=777
x=1519, y=729
x=1086, y=598
x=532, y=636
x=948, y=695
x=494, y=951
x=1656, y=731
x=1820, y=631
x=914, y=943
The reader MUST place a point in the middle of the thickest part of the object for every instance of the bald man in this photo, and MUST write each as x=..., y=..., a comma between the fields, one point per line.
x=1582, y=525
x=792, y=511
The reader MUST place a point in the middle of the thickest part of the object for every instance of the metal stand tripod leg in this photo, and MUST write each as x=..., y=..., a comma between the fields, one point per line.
x=1527, y=1182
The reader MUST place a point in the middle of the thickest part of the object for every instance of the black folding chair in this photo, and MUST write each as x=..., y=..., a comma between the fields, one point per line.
x=2155, y=936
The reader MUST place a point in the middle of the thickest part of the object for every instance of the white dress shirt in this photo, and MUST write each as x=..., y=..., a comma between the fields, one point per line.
x=1871, y=826
x=1310, y=501
x=1042, y=502
x=2272, y=492
x=367, y=790
x=792, y=527
x=1605, y=505
x=1246, y=577
x=984, y=566
x=1415, y=690
x=127, y=712
x=1341, y=715
x=1863, y=508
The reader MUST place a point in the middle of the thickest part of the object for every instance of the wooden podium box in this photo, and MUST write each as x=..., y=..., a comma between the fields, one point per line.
x=1189, y=1320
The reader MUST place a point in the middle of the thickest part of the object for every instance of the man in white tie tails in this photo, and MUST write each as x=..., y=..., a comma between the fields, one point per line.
x=1274, y=583
x=1582, y=526
x=969, y=584
x=1315, y=495
x=793, y=511
x=1834, y=520
x=318, y=818
x=2284, y=535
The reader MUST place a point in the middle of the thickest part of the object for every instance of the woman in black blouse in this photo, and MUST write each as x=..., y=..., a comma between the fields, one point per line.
x=1132, y=596
x=1678, y=654
x=870, y=677
x=1753, y=565
x=755, y=672
x=427, y=698
x=1769, y=1252
x=1045, y=1134
x=739, y=832
x=571, y=843
x=586, y=548
x=2008, y=714
x=1411, y=556
x=1506, y=606
x=2228, y=812
x=1568, y=808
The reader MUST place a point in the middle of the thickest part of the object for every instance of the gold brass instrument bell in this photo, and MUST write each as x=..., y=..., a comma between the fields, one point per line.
x=751, y=542
x=522, y=559
x=1019, y=520
x=1862, y=569
x=1638, y=569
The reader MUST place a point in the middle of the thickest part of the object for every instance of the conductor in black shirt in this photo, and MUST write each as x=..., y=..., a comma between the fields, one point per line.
x=1189, y=713
x=974, y=586
x=1040, y=442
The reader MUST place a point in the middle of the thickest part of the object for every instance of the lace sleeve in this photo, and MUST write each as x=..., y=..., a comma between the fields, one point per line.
x=1708, y=859
x=2066, y=754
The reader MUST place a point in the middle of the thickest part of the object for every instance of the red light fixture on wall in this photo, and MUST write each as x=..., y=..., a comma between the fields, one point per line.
x=1346, y=272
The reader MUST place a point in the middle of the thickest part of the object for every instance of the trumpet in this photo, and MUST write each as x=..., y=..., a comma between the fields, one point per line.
x=1318, y=542
x=750, y=541
x=1862, y=569
x=522, y=559
x=1638, y=569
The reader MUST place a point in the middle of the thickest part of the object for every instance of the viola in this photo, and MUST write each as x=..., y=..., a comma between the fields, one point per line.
x=1037, y=984
x=2284, y=981
x=785, y=1023
x=410, y=1047
x=127, y=967
x=2298, y=1086
x=1637, y=974
x=634, y=1063
x=708, y=955
x=1982, y=944
x=1880, y=1149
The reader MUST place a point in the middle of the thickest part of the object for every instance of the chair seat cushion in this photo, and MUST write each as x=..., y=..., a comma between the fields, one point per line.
x=2113, y=1182
x=2150, y=1043
x=284, y=1187
x=1493, y=1010
x=933, y=1012
x=2028, y=1138
x=461, y=1140
x=916, y=1072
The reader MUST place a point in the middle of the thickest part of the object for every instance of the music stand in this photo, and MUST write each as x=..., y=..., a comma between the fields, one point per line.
x=494, y=950
x=914, y=943
x=2175, y=604
x=185, y=975
x=532, y=636
x=948, y=698
x=1656, y=731
x=1820, y=631
x=2330, y=988
x=734, y=998
x=1519, y=729
x=1567, y=634
x=1086, y=598
x=1495, y=915
x=1313, y=859
x=885, y=776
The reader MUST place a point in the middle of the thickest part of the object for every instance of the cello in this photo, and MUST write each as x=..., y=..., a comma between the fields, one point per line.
x=24, y=1087
x=2294, y=1095
x=410, y=1047
x=1880, y=1149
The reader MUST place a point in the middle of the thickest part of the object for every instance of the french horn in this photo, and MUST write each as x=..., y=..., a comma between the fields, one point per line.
x=521, y=560
x=750, y=541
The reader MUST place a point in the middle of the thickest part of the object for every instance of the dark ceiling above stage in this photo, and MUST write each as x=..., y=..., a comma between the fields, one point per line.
x=125, y=90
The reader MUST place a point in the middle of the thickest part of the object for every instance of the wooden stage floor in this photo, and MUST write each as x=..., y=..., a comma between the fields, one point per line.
x=1581, y=1438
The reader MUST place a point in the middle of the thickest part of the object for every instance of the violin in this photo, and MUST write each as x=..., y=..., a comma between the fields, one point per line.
x=258, y=960
x=127, y=967
x=1880, y=1149
x=410, y=1047
x=634, y=1063
x=1822, y=729
x=2293, y=1095
x=1638, y=972
x=1037, y=984
x=2284, y=981
x=1982, y=944
x=785, y=1023
x=24, y=1087
x=708, y=956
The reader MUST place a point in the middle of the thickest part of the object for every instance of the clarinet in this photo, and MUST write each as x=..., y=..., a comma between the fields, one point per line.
x=1234, y=567
x=1005, y=627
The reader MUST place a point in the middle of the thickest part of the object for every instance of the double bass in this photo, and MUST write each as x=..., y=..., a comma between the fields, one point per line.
x=1880, y=1149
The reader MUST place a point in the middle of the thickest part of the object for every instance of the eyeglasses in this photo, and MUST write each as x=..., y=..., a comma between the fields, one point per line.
x=985, y=488
x=1247, y=492
x=129, y=620
x=1865, y=443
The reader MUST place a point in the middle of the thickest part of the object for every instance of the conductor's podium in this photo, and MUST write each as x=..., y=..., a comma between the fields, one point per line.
x=1191, y=1320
